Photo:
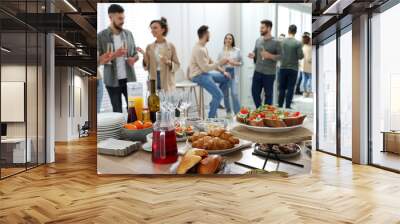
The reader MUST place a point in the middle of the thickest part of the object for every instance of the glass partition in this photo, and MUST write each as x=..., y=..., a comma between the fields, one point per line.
x=22, y=90
x=15, y=149
x=327, y=96
x=385, y=89
x=346, y=93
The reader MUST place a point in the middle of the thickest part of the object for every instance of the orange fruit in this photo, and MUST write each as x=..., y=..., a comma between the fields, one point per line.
x=138, y=124
x=130, y=127
x=147, y=124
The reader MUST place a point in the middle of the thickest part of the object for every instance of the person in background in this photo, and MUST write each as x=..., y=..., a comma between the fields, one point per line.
x=231, y=52
x=292, y=52
x=160, y=58
x=266, y=53
x=299, y=81
x=99, y=91
x=124, y=56
x=200, y=69
x=281, y=37
x=306, y=64
x=103, y=59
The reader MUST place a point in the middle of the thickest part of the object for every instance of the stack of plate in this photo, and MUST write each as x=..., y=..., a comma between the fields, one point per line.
x=114, y=147
x=109, y=125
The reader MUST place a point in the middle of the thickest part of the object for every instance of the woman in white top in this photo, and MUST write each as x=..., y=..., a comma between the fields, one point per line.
x=306, y=64
x=160, y=57
x=235, y=60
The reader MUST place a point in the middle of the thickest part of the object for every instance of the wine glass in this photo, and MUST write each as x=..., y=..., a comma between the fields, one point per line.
x=262, y=50
x=125, y=47
x=110, y=49
x=175, y=99
x=185, y=104
x=163, y=100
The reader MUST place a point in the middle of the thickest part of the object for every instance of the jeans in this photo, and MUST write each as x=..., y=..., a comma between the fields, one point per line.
x=287, y=81
x=158, y=80
x=262, y=81
x=307, y=82
x=115, y=95
x=233, y=93
x=99, y=94
x=299, y=80
x=208, y=81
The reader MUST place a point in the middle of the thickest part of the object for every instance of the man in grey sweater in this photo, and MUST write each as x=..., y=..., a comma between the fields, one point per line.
x=118, y=70
x=292, y=52
x=207, y=73
x=266, y=53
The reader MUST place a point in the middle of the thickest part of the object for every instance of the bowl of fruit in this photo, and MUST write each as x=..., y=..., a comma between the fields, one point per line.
x=268, y=118
x=136, y=131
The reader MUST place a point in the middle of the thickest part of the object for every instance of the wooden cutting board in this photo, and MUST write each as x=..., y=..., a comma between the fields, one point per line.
x=294, y=136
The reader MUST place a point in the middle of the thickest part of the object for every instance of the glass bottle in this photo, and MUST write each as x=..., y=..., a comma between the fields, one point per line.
x=153, y=101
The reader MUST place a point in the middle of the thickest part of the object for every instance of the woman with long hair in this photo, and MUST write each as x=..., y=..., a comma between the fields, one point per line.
x=160, y=57
x=306, y=64
x=231, y=52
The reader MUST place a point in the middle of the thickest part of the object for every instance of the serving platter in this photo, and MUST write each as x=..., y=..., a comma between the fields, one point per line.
x=270, y=129
x=278, y=155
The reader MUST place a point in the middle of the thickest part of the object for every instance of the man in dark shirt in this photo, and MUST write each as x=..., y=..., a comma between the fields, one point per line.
x=292, y=52
x=266, y=53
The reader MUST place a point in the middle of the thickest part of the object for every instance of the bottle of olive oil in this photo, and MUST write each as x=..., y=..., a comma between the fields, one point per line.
x=154, y=101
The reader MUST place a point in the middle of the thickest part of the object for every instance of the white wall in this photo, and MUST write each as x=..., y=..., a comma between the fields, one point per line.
x=71, y=96
x=243, y=20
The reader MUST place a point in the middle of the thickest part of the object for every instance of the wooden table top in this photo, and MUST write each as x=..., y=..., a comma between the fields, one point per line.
x=294, y=136
x=140, y=162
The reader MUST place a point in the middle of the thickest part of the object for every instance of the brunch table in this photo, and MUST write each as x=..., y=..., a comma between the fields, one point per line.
x=238, y=162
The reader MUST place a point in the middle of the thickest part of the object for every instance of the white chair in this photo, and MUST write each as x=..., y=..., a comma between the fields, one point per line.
x=183, y=82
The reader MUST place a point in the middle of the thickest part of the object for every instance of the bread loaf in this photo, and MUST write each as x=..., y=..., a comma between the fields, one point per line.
x=198, y=152
x=209, y=165
x=188, y=161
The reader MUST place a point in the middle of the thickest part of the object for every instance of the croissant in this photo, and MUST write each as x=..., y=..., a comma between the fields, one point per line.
x=214, y=139
x=215, y=132
x=225, y=135
x=218, y=144
x=229, y=137
x=224, y=144
x=198, y=144
x=197, y=136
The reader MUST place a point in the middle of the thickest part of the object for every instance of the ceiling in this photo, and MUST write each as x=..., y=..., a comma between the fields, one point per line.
x=328, y=15
x=22, y=20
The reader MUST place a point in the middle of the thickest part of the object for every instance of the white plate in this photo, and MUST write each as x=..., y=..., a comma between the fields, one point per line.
x=111, y=134
x=269, y=129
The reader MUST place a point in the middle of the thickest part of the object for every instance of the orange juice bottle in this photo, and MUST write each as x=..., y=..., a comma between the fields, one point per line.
x=139, y=107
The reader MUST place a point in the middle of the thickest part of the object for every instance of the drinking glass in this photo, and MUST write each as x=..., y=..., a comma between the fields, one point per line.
x=185, y=104
x=125, y=47
x=110, y=49
x=139, y=107
x=262, y=50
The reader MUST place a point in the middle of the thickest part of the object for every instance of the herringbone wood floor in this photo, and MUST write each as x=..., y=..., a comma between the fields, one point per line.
x=69, y=191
